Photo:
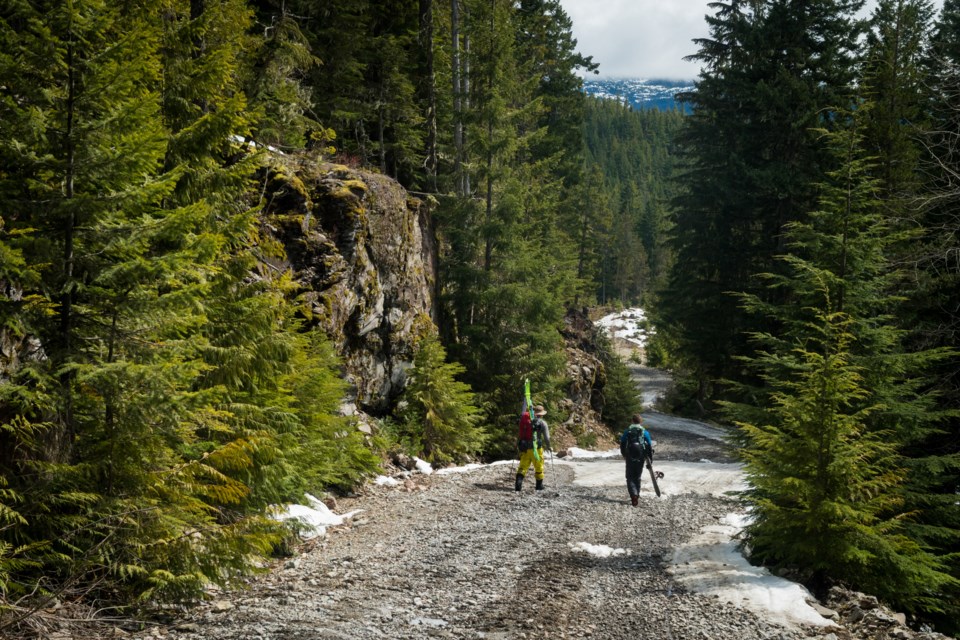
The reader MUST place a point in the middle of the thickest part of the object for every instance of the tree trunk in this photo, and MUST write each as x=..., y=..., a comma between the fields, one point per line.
x=426, y=43
x=66, y=299
x=457, y=105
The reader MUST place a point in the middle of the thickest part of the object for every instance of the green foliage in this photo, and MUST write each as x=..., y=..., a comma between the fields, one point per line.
x=823, y=437
x=276, y=88
x=438, y=414
x=823, y=485
x=330, y=451
x=511, y=261
x=161, y=395
x=772, y=73
x=633, y=167
x=621, y=395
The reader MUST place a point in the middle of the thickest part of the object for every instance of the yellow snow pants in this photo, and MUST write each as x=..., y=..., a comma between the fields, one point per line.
x=526, y=458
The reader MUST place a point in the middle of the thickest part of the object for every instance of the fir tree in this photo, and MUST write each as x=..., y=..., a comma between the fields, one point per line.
x=276, y=85
x=772, y=71
x=823, y=436
x=439, y=415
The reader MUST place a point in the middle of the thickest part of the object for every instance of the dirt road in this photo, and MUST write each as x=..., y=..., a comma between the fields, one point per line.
x=464, y=556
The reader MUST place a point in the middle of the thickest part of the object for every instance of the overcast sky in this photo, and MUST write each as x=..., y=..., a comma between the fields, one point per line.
x=642, y=38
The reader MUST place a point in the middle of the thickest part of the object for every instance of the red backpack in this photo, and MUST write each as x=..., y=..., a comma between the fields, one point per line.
x=526, y=427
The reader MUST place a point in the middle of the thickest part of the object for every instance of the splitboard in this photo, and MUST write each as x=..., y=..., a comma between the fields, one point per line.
x=653, y=476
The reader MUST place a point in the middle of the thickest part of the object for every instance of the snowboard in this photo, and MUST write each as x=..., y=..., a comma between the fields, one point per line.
x=653, y=476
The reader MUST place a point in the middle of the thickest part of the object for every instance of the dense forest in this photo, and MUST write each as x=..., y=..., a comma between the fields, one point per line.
x=813, y=297
x=794, y=237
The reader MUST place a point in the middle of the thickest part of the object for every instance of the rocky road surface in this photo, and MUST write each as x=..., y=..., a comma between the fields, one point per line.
x=464, y=556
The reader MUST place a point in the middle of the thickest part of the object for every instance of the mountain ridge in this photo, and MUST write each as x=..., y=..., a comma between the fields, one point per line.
x=639, y=93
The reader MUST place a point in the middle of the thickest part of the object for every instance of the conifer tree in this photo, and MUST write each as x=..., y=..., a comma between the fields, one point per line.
x=510, y=267
x=94, y=158
x=439, y=414
x=894, y=78
x=276, y=84
x=931, y=310
x=150, y=430
x=771, y=72
x=633, y=148
x=823, y=437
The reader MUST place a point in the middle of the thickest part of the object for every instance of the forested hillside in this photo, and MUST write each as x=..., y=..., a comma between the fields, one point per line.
x=166, y=375
x=631, y=156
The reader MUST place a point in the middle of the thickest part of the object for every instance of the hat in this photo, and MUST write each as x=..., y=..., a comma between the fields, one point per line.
x=539, y=410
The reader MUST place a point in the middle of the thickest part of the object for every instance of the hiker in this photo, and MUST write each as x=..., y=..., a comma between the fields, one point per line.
x=532, y=447
x=635, y=446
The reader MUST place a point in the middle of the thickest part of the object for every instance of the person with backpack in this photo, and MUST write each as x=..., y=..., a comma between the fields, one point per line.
x=635, y=447
x=532, y=440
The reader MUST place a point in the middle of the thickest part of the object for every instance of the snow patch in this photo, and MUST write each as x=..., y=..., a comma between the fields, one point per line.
x=583, y=454
x=314, y=517
x=629, y=325
x=598, y=550
x=423, y=466
x=711, y=564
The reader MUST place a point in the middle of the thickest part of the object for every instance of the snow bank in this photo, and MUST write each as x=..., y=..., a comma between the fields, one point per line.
x=626, y=325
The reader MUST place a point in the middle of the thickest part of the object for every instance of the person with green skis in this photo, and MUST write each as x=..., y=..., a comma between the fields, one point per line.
x=532, y=442
x=635, y=447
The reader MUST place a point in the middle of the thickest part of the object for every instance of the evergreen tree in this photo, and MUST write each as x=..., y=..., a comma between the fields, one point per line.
x=439, y=415
x=934, y=297
x=509, y=264
x=621, y=399
x=894, y=78
x=771, y=72
x=633, y=150
x=823, y=437
x=276, y=86
x=150, y=429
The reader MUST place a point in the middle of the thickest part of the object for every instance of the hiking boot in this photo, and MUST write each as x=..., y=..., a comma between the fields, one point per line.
x=518, y=485
x=539, y=486
x=634, y=500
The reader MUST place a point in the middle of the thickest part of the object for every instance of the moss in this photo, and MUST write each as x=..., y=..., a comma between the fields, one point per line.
x=422, y=327
x=355, y=185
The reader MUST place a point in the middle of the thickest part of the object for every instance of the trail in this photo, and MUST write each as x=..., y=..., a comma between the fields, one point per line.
x=463, y=556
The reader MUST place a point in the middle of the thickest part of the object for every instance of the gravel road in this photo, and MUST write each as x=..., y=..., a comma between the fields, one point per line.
x=464, y=556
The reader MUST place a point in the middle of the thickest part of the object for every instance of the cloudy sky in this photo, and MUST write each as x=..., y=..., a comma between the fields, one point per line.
x=642, y=38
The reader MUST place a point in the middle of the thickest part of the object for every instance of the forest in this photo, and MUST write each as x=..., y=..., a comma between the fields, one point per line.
x=794, y=238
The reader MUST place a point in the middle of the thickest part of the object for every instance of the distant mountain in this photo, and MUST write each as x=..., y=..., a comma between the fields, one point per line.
x=638, y=92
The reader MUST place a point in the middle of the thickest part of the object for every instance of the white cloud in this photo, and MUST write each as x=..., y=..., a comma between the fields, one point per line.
x=639, y=38
x=645, y=38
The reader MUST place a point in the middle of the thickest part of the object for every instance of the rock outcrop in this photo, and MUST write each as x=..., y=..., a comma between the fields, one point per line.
x=363, y=250
x=587, y=376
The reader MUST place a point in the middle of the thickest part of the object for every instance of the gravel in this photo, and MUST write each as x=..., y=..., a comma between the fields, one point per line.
x=464, y=556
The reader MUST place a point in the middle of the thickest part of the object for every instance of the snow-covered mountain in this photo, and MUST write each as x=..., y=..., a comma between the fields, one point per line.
x=640, y=93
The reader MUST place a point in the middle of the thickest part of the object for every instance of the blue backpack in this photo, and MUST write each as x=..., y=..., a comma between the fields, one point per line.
x=636, y=449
